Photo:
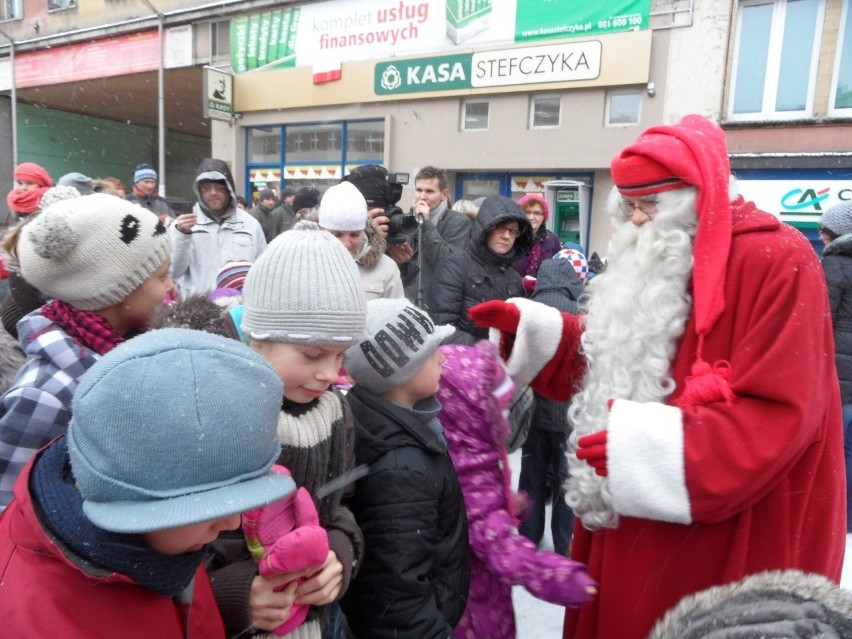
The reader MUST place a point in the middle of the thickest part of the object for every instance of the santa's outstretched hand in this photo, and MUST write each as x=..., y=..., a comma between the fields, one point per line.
x=539, y=344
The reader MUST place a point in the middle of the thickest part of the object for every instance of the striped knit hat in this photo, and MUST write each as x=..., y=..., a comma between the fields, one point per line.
x=233, y=275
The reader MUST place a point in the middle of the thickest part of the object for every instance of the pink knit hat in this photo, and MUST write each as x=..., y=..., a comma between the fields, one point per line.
x=536, y=197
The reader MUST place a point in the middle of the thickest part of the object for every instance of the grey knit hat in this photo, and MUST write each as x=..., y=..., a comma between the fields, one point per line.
x=147, y=460
x=304, y=289
x=92, y=251
x=83, y=183
x=398, y=340
x=838, y=219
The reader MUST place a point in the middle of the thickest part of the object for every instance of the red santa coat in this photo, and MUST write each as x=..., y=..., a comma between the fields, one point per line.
x=45, y=594
x=712, y=493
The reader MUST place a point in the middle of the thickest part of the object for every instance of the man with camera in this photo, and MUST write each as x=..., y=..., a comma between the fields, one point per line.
x=442, y=232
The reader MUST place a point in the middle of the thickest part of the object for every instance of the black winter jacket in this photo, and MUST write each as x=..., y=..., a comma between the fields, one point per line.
x=837, y=264
x=557, y=285
x=478, y=274
x=415, y=577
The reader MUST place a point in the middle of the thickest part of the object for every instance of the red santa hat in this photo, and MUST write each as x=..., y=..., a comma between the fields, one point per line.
x=692, y=152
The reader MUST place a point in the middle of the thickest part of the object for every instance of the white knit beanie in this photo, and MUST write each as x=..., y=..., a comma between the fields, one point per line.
x=304, y=289
x=92, y=251
x=343, y=208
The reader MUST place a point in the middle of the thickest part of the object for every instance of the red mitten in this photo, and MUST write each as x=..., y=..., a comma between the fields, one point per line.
x=592, y=449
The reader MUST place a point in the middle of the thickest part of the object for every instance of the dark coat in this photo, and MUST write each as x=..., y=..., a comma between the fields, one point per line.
x=558, y=286
x=415, y=577
x=478, y=274
x=837, y=264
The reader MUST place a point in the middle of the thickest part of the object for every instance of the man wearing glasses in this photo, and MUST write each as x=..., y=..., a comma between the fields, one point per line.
x=500, y=233
x=215, y=232
x=707, y=440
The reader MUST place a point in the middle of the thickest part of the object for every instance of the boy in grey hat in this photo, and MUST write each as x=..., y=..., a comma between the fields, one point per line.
x=112, y=521
x=416, y=572
x=301, y=325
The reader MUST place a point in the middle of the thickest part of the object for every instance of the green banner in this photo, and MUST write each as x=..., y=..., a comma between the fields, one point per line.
x=423, y=74
x=536, y=20
x=264, y=40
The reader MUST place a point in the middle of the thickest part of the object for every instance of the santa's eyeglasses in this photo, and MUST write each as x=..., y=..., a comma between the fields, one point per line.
x=648, y=207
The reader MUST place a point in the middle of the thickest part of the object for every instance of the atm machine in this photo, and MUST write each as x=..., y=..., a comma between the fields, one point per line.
x=570, y=210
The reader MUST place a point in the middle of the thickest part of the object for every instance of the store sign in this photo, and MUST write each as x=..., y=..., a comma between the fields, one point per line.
x=799, y=202
x=508, y=67
x=219, y=94
x=349, y=30
x=95, y=59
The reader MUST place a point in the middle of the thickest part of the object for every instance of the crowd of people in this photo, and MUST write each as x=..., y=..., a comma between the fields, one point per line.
x=292, y=419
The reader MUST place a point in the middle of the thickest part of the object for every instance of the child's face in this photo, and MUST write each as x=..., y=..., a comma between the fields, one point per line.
x=191, y=538
x=426, y=381
x=305, y=371
x=136, y=310
x=24, y=185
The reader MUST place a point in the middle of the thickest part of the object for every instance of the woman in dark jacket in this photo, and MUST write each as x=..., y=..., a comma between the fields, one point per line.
x=484, y=270
x=836, y=233
x=545, y=243
x=559, y=284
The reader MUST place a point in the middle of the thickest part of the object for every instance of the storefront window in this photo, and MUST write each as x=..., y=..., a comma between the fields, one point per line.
x=264, y=145
x=365, y=142
x=313, y=142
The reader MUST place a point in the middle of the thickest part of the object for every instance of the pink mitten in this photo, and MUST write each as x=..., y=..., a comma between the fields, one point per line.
x=285, y=536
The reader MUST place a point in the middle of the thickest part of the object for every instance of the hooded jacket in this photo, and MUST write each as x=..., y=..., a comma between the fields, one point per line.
x=501, y=558
x=837, y=265
x=47, y=590
x=416, y=572
x=478, y=274
x=214, y=240
x=37, y=407
x=379, y=273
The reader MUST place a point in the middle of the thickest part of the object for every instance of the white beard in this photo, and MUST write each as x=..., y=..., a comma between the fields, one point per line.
x=635, y=313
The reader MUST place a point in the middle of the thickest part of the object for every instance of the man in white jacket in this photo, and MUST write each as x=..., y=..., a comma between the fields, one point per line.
x=215, y=232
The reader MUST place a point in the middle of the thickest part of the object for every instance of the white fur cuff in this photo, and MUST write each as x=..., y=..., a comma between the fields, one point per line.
x=537, y=340
x=645, y=460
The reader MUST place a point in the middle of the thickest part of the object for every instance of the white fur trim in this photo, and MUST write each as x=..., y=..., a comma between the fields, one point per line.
x=645, y=461
x=536, y=342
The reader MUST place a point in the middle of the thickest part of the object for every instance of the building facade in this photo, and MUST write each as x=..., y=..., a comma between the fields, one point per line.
x=509, y=97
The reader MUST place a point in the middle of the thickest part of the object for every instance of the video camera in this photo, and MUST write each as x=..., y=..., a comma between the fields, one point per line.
x=383, y=189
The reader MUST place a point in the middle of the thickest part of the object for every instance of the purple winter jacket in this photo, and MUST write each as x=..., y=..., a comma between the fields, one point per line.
x=475, y=424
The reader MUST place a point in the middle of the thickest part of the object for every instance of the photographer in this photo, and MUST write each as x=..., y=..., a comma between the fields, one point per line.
x=343, y=213
x=442, y=233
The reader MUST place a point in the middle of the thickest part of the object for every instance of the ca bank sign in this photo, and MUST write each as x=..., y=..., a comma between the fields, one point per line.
x=568, y=62
x=799, y=202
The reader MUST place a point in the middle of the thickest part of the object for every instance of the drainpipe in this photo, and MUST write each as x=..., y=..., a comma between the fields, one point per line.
x=14, y=96
x=161, y=105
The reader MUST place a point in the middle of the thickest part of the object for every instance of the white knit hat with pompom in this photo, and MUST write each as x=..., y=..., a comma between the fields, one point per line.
x=92, y=251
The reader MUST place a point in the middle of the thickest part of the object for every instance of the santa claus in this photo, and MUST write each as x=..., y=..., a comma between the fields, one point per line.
x=707, y=439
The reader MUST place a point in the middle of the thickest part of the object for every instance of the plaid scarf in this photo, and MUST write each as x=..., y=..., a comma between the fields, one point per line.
x=86, y=328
